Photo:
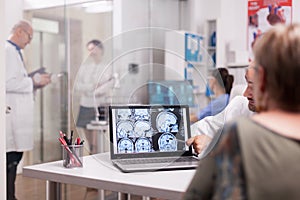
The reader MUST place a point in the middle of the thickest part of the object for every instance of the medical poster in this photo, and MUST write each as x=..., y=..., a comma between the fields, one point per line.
x=263, y=14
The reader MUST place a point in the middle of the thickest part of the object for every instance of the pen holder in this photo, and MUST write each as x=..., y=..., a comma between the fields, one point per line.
x=72, y=156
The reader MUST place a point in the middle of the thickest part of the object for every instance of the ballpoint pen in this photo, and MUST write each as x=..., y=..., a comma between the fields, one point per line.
x=71, y=138
x=61, y=134
x=78, y=141
x=64, y=137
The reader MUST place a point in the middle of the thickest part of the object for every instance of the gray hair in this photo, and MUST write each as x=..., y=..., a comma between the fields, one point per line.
x=277, y=51
x=23, y=24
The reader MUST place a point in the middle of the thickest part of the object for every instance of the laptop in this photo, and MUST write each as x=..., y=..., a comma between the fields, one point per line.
x=150, y=138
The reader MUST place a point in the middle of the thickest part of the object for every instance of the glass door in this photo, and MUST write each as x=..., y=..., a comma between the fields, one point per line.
x=51, y=103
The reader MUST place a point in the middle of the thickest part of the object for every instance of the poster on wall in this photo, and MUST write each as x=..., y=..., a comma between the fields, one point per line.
x=263, y=14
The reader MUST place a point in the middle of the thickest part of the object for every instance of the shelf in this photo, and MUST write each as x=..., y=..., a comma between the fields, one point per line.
x=211, y=48
x=210, y=31
x=196, y=63
x=237, y=65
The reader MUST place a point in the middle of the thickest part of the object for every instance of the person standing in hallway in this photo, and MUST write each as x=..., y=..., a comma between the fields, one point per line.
x=19, y=96
x=93, y=83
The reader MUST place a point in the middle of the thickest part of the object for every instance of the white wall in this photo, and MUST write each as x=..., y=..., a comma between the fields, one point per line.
x=233, y=31
x=2, y=104
x=201, y=11
x=164, y=15
x=10, y=13
x=132, y=19
x=13, y=13
x=232, y=24
x=296, y=9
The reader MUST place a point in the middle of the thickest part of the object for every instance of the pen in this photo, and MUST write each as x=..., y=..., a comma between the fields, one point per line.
x=64, y=137
x=78, y=141
x=71, y=138
x=61, y=134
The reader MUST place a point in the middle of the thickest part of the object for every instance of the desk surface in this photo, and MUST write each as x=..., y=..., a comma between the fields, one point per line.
x=98, y=172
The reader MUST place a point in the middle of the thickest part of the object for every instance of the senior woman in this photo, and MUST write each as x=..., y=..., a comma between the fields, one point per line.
x=258, y=158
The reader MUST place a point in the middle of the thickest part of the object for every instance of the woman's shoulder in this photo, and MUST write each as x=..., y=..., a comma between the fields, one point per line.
x=250, y=134
x=222, y=98
x=219, y=104
x=231, y=135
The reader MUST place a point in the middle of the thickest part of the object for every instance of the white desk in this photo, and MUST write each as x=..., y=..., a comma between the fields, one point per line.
x=98, y=172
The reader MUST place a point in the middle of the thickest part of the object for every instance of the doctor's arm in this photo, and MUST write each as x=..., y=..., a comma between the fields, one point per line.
x=211, y=127
x=204, y=131
x=16, y=80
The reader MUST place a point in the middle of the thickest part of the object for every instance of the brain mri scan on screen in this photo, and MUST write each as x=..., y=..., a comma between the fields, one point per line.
x=149, y=130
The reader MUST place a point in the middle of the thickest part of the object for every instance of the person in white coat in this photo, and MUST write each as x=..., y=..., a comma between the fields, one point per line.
x=207, y=131
x=93, y=83
x=19, y=97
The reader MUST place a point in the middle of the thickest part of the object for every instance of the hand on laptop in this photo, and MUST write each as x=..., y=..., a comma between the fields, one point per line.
x=199, y=142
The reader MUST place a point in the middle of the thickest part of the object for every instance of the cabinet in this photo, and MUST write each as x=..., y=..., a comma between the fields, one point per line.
x=185, y=57
x=211, y=42
x=183, y=51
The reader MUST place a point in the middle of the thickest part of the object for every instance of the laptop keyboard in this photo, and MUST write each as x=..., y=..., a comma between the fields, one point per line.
x=154, y=160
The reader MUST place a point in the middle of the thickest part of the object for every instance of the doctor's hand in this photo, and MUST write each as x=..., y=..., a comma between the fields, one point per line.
x=199, y=142
x=41, y=80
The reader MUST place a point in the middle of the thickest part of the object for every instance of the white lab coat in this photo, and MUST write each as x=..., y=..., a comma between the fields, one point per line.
x=213, y=125
x=89, y=76
x=19, y=96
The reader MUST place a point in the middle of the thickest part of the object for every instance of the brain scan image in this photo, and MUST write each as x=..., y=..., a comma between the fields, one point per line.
x=142, y=129
x=142, y=114
x=143, y=145
x=166, y=122
x=124, y=114
x=167, y=142
x=125, y=145
x=124, y=129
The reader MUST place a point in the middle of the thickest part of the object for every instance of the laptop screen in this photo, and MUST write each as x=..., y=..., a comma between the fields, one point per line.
x=149, y=130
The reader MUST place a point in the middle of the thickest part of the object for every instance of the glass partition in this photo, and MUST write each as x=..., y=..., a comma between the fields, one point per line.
x=59, y=45
x=137, y=48
x=138, y=52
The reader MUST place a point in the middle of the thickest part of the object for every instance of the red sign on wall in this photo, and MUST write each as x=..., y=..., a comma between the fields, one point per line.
x=263, y=14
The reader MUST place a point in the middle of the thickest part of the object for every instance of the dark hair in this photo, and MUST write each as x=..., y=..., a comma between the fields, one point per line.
x=277, y=51
x=97, y=43
x=224, y=78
